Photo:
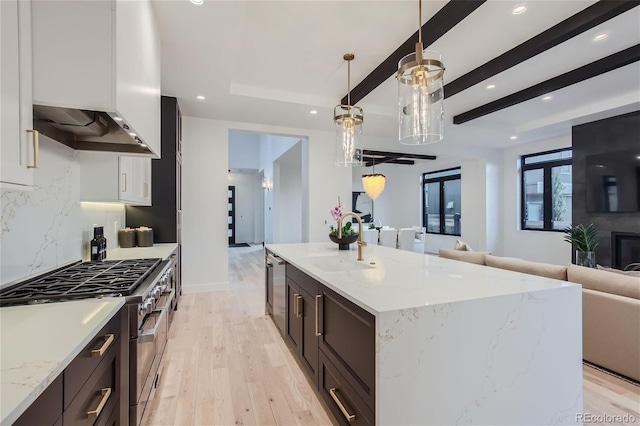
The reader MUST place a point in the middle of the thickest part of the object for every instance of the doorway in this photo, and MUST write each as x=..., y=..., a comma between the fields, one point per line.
x=231, y=219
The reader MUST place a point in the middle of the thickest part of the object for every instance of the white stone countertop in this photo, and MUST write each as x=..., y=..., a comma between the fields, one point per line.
x=37, y=342
x=390, y=279
x=161, y=250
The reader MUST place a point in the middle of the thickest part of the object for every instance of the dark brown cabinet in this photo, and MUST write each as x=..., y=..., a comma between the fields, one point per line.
x=334, y=341
x=89, y=390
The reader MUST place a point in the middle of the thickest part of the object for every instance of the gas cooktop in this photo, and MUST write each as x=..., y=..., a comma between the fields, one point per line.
x=81, y=280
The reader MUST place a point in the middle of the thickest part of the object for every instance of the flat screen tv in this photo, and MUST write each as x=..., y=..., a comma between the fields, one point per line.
x=613, y=181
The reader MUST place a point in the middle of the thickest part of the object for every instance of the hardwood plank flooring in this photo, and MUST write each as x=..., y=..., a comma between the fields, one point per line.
x=226, y=364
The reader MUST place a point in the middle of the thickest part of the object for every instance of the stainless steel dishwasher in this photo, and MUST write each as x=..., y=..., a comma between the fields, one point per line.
x=275, y=297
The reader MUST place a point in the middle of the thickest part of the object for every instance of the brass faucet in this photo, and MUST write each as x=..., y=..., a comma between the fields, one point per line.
x=360, y=242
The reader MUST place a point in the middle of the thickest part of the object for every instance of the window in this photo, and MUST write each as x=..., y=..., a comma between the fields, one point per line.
x=441, y=206
x=546, y=190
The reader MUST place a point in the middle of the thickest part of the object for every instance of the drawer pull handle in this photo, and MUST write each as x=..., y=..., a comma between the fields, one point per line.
x=350, y=417
x=318, y=297
x=106, y=393
x=299, y=311
x=36, y=148
x=108, y=340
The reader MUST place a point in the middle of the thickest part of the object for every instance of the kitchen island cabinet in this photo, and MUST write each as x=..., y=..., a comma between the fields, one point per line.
x=58, y=359
x=406, y=338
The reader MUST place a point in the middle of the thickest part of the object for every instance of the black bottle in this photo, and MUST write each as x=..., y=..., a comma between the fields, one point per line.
x=96, y=244
x=103, y=240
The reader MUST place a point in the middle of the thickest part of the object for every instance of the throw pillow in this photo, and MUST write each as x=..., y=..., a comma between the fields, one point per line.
x=618, y=271
x=462, y=246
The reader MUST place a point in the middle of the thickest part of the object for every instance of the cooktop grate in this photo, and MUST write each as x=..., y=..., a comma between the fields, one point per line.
x=82, y=280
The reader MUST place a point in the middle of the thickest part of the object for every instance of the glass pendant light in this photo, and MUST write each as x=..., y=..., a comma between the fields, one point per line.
x=420, y=95
x=373, y=183
x=348, y=120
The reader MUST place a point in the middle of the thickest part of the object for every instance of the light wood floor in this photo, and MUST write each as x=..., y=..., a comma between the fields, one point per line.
x=226, y=364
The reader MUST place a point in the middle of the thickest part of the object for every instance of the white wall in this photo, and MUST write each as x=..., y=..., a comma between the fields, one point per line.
x=287, y=196
x=539, y=246
x=244, y=150
x=48, y=227
x=246, y=205
x=205, y=165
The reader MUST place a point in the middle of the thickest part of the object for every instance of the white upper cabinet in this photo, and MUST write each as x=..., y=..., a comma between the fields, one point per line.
x=100, y=55
x=107, y=178
x=18, y=142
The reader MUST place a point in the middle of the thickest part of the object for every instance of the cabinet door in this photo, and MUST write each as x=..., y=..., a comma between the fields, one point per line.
x=309, y=340
x=293, y=315
x=17, y=142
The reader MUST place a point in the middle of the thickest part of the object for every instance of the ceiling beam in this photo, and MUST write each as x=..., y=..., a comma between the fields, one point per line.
x=369, y=153
x=582, y=21
x=601, y=66
x=446, y=18
x=379, y=161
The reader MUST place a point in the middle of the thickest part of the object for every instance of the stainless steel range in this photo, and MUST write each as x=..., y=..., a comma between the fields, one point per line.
x=149, y=288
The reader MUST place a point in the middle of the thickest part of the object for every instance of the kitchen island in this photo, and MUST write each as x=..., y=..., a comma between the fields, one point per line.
x=455, y=343
x=39, y=342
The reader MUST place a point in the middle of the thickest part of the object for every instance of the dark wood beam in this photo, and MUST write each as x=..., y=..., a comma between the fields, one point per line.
x=378, y=161
x=370, y=153
x=446, y=18
x=582, y=21
x=601, y=66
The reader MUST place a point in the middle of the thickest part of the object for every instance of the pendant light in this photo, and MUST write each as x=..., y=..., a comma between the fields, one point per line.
x=373, y=183
x=348, y=120
x=420, y=95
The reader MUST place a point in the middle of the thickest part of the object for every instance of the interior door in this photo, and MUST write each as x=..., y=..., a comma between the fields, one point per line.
x=231, y=208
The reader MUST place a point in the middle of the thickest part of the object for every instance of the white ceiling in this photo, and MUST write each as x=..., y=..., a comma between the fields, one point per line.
x=272, y=62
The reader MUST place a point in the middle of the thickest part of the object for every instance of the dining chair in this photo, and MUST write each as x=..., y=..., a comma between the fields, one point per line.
x=420, y=234
x=370, y=236
x=405, y=238
x=389, y=237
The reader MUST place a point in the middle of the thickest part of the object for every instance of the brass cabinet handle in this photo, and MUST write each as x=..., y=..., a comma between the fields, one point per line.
x=145, y=190
x=36, y=148
x=106, y=393
x=350, y=417
x=124, y=182
x=298, y=308
x=318, y=297
x=108, y=340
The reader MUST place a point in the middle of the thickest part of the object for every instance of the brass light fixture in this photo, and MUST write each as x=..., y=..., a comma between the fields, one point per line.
x=420, y=95
x=348, y=120
x=373, y=183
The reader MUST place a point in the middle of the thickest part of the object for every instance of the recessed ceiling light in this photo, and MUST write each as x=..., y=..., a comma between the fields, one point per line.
x=547, y=98
x=600, y=37
x=518, y=10
x=313, y=111
x=144, y=145
x=133, y=135
x=200, y=97
x=491, y=86
x=198, y=2
x=117, y=118
x=600, y=166
x=513, y=138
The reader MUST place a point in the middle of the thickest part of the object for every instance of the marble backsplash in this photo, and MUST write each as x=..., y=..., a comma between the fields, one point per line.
x=47, y=227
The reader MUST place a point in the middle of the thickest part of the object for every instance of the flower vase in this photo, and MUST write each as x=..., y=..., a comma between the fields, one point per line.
x=586, y=258
x=343, y=243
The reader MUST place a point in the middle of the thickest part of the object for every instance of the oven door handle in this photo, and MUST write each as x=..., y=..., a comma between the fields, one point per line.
x=167, y=305
x=150, y=335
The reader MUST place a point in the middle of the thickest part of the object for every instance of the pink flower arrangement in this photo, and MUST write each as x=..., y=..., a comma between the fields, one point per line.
x=336, y=211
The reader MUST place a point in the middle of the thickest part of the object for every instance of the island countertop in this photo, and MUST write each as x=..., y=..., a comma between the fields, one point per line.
x=39, y=341
x=389, y=279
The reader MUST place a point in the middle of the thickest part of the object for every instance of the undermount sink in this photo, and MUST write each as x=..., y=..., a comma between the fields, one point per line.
x=335, y=264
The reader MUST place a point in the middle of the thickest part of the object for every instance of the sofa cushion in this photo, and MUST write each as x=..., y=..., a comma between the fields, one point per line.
x=533, y=268
x=618, y=271
x=608, y=282
x=476, y=257
x=611, y=332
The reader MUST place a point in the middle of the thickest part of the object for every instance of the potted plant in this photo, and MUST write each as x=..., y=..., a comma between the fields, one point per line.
x=348, y=235
x=584, y=240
